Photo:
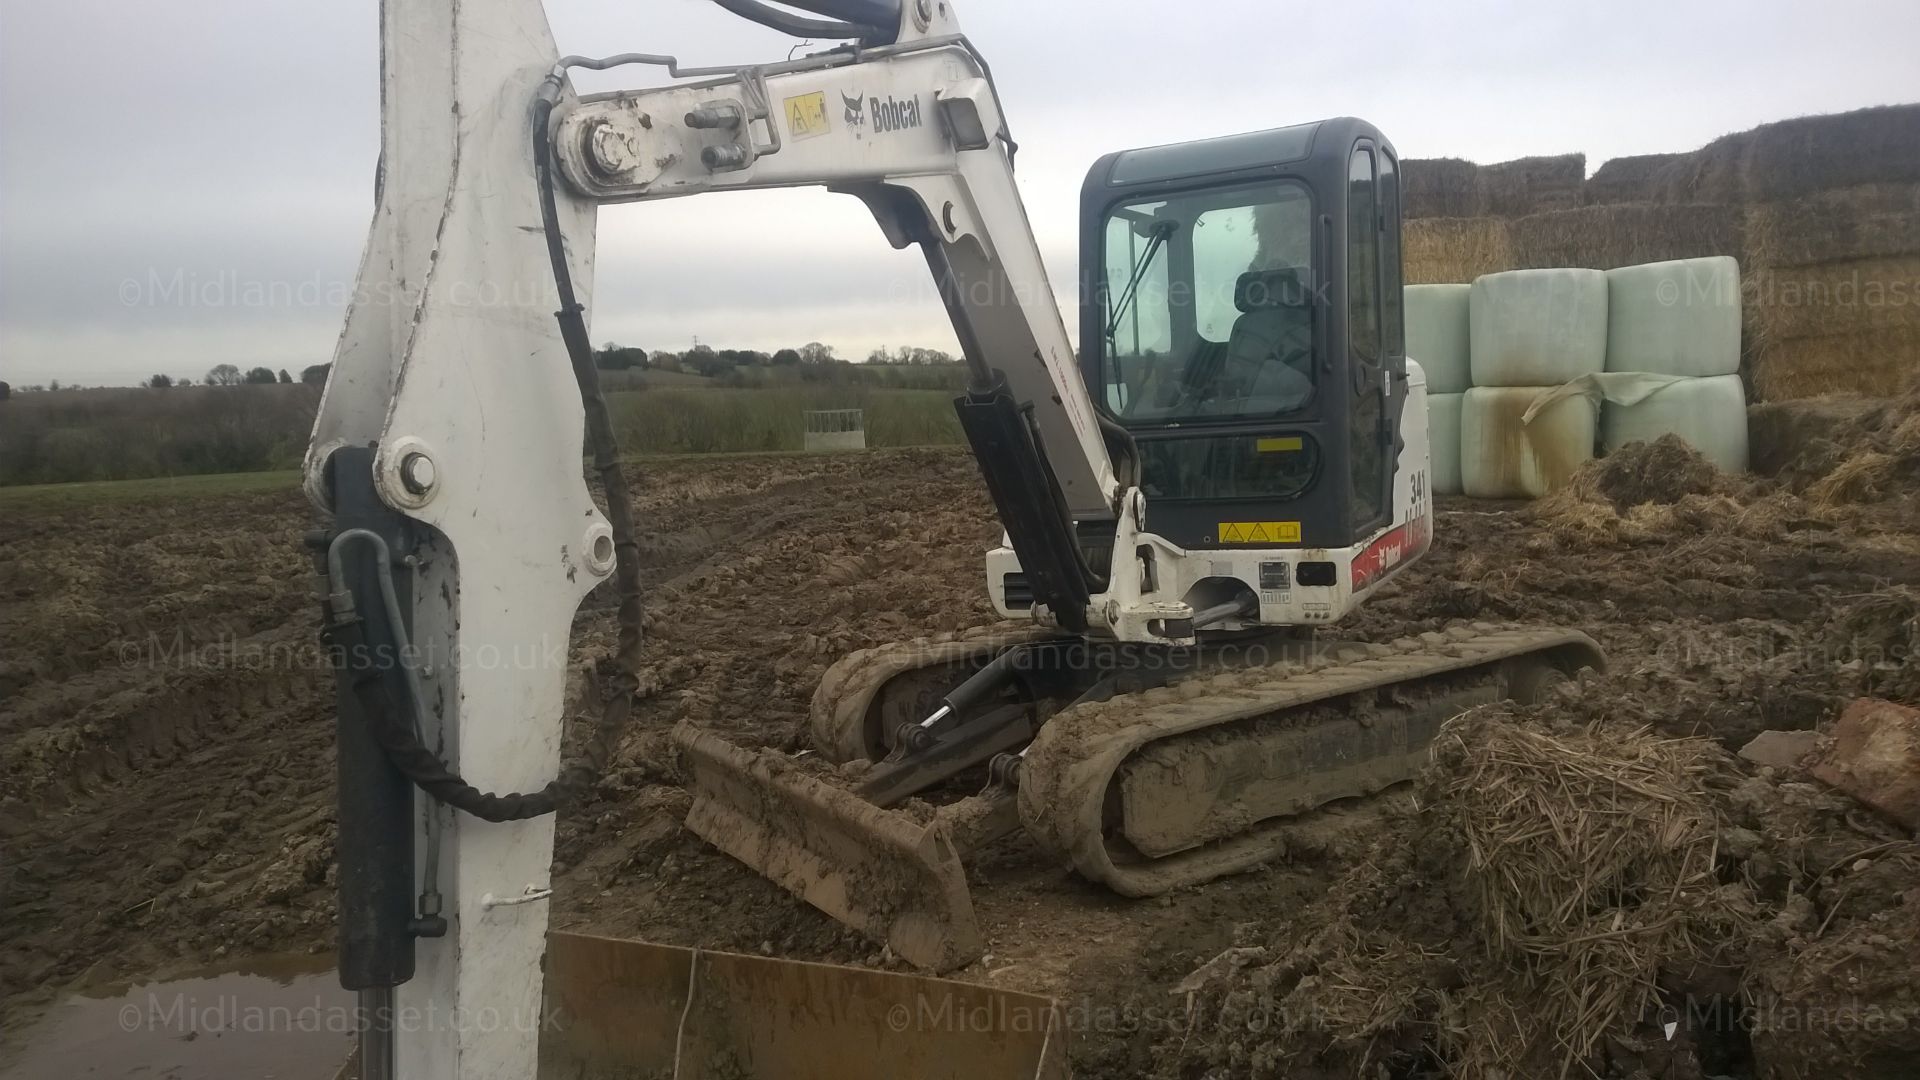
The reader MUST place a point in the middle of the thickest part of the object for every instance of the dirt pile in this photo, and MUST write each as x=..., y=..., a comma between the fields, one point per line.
x=1568, y=886
x=1663, y=471
x=1649, y=492
x=1873, y=458
x=1852, y=455
x=1879, y=635
x=1837, y=459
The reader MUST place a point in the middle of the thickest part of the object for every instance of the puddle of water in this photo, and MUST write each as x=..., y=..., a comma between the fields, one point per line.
x=271, y=1018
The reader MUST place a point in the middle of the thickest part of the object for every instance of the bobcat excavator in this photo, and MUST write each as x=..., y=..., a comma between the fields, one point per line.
x=1233, y=459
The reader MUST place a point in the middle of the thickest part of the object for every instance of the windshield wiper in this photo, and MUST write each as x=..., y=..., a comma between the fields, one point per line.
x=1162, y=231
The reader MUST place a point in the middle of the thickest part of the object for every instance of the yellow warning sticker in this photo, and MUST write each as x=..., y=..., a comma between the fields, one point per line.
x=1278, y=446
x=1259, y=532
x=807, y=115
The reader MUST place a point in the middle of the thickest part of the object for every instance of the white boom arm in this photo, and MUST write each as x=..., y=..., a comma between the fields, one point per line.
x=913, y=129
x=450, y=369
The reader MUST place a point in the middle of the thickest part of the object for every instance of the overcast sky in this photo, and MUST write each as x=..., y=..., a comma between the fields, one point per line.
x=149, y=146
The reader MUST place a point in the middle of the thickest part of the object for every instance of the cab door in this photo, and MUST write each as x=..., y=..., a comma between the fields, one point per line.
x=1376, y=335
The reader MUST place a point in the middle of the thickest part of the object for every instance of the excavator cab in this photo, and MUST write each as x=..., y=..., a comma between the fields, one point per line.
x=1241, y=320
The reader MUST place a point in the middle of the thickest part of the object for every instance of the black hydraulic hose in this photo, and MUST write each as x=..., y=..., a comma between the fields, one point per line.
x=346, y=631
x=799, y=26
x=624, y=686
x=386, y=719
x=863, y=12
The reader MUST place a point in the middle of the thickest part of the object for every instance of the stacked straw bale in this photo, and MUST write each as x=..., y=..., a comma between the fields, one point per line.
x=1823, y=213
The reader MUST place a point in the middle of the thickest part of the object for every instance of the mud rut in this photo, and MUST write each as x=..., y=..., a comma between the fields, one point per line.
x=165, y=761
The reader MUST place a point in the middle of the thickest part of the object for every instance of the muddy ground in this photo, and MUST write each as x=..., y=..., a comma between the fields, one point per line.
x=165, y=761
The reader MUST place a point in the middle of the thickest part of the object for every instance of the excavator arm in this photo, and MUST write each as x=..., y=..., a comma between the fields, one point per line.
x=913, y=129
x=446, y=448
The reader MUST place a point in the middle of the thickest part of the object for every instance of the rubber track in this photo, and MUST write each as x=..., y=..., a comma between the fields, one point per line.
x=1074, y=760
x=846, y=691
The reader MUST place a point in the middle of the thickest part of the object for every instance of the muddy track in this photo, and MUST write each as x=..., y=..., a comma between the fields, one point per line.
x=165, y=716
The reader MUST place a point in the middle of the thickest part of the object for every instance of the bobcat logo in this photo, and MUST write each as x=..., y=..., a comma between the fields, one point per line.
x=856, y=110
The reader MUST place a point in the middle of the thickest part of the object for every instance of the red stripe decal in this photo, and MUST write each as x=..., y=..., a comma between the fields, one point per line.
x=1392, y=549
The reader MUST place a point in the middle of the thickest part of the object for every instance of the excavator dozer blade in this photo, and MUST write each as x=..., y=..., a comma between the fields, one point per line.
x=618, y=1008
x=894, y=879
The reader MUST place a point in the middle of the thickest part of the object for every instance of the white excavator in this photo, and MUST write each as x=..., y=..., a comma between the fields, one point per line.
x=1233, y=459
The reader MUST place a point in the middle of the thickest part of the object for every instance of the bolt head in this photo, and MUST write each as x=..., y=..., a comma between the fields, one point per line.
x=611, y=149
x=418, y=473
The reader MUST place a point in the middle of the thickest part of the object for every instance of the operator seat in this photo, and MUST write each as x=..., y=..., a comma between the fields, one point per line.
x=1268, y=366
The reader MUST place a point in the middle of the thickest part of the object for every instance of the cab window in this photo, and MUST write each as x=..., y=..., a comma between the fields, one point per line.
x=1208, y=306
x=1364, y=451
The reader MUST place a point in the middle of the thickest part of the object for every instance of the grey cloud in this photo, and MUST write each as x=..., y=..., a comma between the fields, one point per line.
x=237, y=138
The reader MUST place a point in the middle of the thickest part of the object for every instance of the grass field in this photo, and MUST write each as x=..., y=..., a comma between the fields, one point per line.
x=64, y=436
x=29, y=497
x=162, y=488
x=88, y=438
x=733, y=421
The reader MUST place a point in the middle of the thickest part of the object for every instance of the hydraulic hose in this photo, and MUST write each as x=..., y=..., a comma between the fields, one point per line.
x=396, y=728
x=799, y=26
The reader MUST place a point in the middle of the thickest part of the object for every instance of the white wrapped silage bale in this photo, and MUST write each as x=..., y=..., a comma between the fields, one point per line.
x=1437, y=335
x=1675, y=318
x=1710, y=414
x=1537, y=327
x=1506, y=455
x=1443, y=438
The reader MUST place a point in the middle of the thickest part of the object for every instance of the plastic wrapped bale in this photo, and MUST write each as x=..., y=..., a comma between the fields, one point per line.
x=1710, y=414
x=1443, y=440
x=1675, y=318
x=1537, y=327
x=1504, y=455
x=1437, y=335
